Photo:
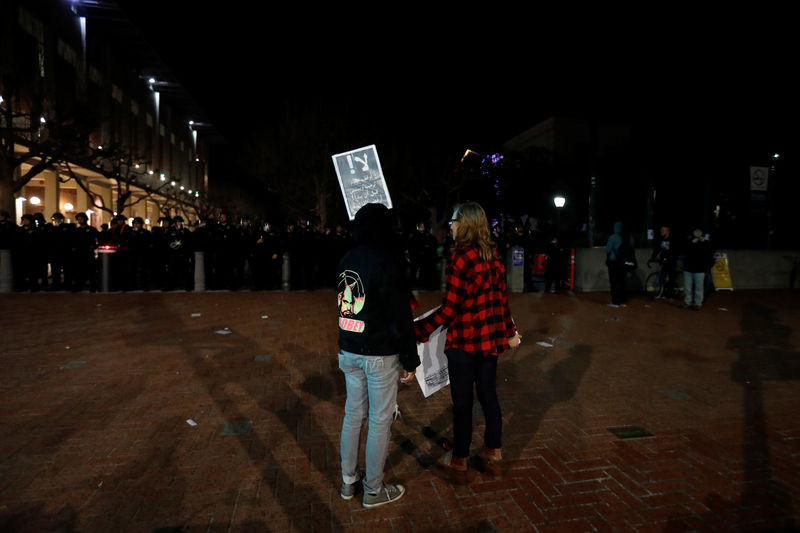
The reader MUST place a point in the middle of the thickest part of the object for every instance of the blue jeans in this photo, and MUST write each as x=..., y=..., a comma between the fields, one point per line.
x=371, y=382
x=468, y=371
x=693, y=288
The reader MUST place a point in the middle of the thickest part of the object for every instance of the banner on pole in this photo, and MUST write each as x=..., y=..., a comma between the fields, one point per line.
x=361, y=179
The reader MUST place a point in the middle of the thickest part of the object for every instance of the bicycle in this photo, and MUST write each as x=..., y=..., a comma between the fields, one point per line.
x=654, y=282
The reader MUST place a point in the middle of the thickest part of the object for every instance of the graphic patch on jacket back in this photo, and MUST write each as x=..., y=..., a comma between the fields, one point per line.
x=350, y=300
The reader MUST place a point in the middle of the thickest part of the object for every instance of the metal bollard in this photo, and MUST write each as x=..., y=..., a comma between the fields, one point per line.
x=285, y=272
x=105, y=272
x=6, y=272
x=199, y=271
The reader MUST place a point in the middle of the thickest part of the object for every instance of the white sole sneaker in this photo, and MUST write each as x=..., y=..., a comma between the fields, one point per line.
x=388, y=494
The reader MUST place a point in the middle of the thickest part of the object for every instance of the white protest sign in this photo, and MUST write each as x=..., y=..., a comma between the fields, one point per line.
x=361, y=179
x=433, y=373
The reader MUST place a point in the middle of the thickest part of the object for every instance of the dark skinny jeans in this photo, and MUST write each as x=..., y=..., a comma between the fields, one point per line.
x=465, y=370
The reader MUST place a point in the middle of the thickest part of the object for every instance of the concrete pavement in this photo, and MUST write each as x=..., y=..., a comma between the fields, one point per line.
x=221, y=411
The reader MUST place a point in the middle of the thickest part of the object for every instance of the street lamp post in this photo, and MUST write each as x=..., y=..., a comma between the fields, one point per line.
x=559, y=201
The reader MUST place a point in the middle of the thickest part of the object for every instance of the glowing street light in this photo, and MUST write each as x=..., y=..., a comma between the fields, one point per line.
x=559, y=201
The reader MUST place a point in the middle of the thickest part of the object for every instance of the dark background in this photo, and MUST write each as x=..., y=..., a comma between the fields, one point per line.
x=707, y=95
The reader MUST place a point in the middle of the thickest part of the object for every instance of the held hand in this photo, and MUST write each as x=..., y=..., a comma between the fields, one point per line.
x=515, y=341
x=407, y=376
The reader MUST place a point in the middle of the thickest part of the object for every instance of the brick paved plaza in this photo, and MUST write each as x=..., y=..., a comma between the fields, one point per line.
x=96, y=391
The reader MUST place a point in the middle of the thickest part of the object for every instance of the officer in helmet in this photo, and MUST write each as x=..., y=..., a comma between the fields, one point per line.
x=29, y=260
x=158, y=268
x=58, y=237
x=120, y=236
x=84, y=257
x=141, y=243
x=180, y=271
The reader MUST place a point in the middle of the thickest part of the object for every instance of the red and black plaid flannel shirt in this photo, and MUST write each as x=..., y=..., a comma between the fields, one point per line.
x=475, y=307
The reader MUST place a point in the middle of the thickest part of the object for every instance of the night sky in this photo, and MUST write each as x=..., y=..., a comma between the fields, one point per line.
x=481, y=76
x=699, y=93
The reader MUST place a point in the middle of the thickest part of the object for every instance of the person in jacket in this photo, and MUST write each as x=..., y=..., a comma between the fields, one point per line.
x=179, y=255
x=376, y=341
x=617, y=273
x=84, y=256
x=30, y=261
x=479, y=328
x=58, y=236
x=664, y=252
x=422, y=257
x=698, y=258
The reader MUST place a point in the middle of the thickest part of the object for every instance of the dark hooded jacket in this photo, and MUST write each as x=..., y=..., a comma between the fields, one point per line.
x=373, y=294
x=699, y=256
x=615, y=241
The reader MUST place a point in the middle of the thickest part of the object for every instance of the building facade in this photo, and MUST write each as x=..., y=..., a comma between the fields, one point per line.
x=68, y=62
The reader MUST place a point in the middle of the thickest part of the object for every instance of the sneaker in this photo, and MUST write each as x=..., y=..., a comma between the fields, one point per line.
x=685, y=306
x=695, y=308
x=387, y=494
x=613, y=305
x=349, y=490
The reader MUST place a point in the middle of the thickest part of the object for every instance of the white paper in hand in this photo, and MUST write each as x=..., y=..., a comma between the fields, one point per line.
x=432, y=373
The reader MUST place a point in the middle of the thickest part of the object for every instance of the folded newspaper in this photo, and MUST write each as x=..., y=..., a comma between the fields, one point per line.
x=432, y=373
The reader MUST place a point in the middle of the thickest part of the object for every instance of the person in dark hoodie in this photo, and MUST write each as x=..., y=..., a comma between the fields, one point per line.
x=376, y=341
x=617, y=243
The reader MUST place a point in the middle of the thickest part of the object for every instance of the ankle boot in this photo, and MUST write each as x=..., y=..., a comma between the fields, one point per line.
x=458, y=464
x=492, y=461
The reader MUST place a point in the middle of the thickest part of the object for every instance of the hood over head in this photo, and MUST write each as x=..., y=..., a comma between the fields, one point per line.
x=373, y=224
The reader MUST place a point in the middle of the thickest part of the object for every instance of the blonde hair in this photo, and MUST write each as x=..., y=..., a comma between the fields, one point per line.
x=473, y=230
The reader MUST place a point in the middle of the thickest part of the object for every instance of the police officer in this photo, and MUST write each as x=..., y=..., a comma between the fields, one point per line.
x=141, y=243
x=120, y=238
x=422, y=256
x=225, y=242
x=244, y=253
x=158, y=264
x=58, y=237
x=84, y=257
x=29, y=257
x=179, y=256
x=267, y=259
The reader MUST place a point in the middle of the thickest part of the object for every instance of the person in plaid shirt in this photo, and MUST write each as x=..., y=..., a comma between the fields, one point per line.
x=479, y=328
